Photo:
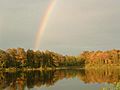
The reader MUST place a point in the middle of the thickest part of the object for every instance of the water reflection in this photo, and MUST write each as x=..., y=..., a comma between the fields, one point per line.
x=21, y=80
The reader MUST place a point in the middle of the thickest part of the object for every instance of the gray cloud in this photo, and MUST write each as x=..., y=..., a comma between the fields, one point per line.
x=74, y=26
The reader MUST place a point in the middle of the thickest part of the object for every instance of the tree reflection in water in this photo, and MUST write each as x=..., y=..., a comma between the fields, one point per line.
x=30, y=79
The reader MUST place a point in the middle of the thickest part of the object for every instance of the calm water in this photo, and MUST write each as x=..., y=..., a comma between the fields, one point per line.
x=92, y=79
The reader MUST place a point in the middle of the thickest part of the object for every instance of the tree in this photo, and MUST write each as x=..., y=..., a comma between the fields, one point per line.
x=30, y=58
x=3, y=58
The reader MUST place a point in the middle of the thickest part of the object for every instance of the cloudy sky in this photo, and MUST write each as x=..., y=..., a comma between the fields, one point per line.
x=74, y=25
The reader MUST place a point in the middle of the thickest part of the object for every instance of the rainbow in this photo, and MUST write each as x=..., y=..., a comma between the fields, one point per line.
x=44, y=24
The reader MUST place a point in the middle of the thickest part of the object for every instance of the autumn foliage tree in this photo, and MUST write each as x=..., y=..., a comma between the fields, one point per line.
x=20, y=58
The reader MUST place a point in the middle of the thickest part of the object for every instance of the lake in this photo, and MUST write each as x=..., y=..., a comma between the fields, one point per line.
x=73, y=79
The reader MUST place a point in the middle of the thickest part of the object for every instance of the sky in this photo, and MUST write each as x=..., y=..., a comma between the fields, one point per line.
x=74, y=25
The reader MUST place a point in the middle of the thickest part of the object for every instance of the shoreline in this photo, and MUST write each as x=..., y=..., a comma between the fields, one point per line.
x=60, y=68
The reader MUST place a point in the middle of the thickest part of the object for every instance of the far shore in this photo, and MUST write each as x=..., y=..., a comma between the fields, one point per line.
x=60, y=68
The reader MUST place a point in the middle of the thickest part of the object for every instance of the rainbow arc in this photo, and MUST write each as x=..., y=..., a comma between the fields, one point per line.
x=43, y=24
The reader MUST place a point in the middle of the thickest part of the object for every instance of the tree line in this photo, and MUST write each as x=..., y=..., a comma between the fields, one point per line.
x=110, y=57
x=19, y=58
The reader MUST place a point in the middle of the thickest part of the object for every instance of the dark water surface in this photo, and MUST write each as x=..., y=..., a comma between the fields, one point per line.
x=82, y=79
